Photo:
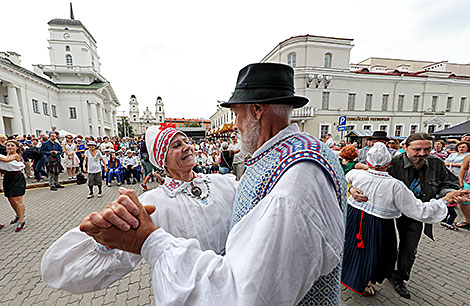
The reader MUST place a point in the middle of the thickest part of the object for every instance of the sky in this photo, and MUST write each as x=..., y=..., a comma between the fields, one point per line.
x=190, y=52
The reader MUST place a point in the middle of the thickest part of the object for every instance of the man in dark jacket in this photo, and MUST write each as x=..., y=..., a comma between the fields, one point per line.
x=427, y=177
x=52, y=147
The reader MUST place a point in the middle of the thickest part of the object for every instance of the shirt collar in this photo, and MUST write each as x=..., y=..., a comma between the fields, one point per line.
x=407, y=163
x=289, y=130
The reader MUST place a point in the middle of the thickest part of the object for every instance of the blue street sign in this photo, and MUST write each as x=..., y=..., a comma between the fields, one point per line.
x=342, y=120
x=341, y=128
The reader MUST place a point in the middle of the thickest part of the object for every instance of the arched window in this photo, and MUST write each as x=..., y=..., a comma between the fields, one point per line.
x=292, y=59
x=67, y=48
x=328, y=58
x=68, y=60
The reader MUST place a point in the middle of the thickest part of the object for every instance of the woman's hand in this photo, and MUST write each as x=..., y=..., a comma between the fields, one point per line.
x=358, y=195
x=457, y=196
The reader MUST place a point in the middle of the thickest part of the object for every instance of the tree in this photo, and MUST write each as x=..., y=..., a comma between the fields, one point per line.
x=125, y=129
x=192, y=124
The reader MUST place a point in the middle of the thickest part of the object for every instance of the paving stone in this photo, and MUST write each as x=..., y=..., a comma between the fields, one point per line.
x=438, y=276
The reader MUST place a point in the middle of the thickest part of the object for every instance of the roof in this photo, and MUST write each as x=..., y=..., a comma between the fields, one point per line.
x=8, y=63
x=359, y=133
x=70, y=22
x=92, y=86
x=457, y=130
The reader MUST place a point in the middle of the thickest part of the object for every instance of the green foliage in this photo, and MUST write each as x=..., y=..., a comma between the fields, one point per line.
x=192, y=124
x=125, y=129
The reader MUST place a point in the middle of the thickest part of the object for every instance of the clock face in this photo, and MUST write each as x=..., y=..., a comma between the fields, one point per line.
x=66, y=35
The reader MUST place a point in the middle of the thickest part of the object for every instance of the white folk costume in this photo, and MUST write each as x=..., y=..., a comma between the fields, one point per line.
x=78, y=264
x=370, y=248
x=286, y=241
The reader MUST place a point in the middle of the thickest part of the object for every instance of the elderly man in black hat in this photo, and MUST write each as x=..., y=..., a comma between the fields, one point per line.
x=377, y=136
x=286, y=237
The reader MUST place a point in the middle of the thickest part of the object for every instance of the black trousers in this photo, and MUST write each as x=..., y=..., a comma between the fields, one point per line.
x=131, y=172
x=409, y=231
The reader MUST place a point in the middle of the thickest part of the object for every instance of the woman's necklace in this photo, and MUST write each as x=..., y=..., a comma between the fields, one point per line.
x=196, y=192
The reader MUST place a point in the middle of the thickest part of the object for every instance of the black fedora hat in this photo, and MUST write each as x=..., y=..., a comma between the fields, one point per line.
x=265, y=83
x=379, y=135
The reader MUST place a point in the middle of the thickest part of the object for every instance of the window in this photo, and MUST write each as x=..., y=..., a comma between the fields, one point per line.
x=134, y=116
x=325, y=100
x=351, y=101
x=73, y=112
x=292, y=59
x=398, y=130
x=159, y=108
x=368, y=106
x=384, y=102
x=68, y=60
x=349, y=128
x=446, y=126
x=161, y=119
x=327, y=62
x=401, y=100
x=462, y=104
x=45, y=109
x=35, y=106
x=383, y=127
x=449, y=104
x=324, y=129
x=38, y=133
x=415, y=103
x=434, y=103
x=54, y=111
x=67, y=48
x=5, y=99
x=367, y=127
x=431, y=128
x=413, y=129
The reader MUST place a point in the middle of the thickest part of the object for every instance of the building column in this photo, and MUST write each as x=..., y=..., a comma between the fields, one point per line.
x=26, y=111
x=16, y=124
x=94, y=121
x=114, y=123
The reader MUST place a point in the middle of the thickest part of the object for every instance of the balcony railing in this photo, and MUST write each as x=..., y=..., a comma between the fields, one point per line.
x=303, y=112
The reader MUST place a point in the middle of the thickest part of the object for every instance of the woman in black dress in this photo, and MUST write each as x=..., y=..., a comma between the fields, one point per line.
x=14, y=183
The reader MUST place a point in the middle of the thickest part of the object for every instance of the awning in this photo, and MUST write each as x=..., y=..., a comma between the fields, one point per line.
x=457, y=130
x=359, y=133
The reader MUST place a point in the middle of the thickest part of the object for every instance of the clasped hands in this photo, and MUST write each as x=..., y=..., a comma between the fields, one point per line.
x=123, y=224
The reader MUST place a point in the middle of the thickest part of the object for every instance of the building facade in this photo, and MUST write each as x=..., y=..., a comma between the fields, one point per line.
x=400, y=97
x=70, y=93
x=222, y=116
x=141, y=123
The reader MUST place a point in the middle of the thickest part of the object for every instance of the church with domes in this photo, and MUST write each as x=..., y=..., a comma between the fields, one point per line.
x=141, y=123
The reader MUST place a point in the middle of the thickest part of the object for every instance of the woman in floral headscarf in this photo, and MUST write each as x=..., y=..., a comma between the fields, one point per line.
x=187, y=205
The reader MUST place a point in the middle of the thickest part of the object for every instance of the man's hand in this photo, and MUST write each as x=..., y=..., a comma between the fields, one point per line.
x=457, y=196
x=358, y=195
x=124, y=224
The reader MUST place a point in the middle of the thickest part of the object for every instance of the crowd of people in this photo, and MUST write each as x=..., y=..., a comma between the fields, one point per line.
x=274, y=232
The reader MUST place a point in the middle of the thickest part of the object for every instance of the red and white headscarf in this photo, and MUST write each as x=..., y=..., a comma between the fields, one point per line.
x=158, y=139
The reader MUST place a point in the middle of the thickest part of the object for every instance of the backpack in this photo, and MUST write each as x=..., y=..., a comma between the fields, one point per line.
x=81, y=179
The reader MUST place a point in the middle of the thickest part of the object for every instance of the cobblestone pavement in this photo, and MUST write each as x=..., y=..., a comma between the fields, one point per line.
x=440, y=275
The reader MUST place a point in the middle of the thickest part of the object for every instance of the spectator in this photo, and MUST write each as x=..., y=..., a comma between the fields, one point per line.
x=226, y=159
x=454, y=160
x=439, y=150
x=3, y=148
x=130, y=163
x=71, y=160
x=92, y=165
x=235, y=148
x=348, y=154
x=114, y=168
x=48, y=148
x=464, y=179
x=14, y=183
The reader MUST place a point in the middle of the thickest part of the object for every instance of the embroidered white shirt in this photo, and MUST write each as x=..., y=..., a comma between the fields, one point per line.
x=389, y=198
x=76, y=263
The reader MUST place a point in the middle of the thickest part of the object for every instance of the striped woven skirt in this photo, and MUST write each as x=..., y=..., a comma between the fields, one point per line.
x=370, y=249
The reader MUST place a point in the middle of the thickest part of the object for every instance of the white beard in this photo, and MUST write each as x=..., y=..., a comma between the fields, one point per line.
x=251, y=129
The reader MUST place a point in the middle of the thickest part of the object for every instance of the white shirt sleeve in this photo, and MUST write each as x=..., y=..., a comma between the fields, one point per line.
x=77, y=264
x=273, y=255
x=433, y=211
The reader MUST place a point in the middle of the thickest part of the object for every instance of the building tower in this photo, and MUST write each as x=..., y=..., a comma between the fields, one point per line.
x=133, y=109
x=73, y=53
x=159, y=111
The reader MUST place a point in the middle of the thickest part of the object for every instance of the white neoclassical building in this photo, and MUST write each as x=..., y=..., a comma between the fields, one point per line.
x=398, y=96
x=69, y=93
